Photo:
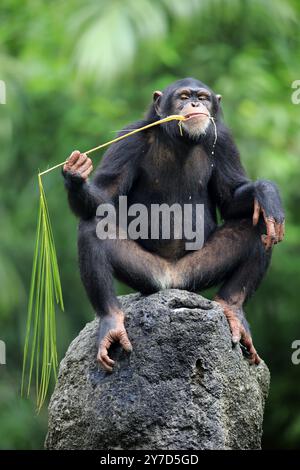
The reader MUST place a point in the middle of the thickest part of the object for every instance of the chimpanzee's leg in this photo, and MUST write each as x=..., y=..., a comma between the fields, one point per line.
x=237, y=289
x=236, y=256
x=99, y=260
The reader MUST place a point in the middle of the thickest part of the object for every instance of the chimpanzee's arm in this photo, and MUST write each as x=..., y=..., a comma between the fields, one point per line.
x=234, y=192
x=84, y=196
x=114, y=176
x=265, y=192
x=236, y=196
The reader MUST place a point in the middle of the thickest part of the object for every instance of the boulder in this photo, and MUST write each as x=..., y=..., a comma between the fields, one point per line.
x=184, y=386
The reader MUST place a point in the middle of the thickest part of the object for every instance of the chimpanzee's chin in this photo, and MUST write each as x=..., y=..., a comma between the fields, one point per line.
x=196, y=133
x=196, y=130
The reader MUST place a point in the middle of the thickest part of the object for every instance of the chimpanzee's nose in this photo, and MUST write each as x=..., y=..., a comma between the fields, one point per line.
x=194, y=104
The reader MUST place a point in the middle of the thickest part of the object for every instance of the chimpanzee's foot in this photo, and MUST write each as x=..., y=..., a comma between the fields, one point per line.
x=238, y=331
x=111, y=329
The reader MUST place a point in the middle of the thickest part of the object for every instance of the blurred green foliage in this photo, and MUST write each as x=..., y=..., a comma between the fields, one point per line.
x=78, y=71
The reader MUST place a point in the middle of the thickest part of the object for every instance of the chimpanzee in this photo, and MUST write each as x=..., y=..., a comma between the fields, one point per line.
x=176, y=164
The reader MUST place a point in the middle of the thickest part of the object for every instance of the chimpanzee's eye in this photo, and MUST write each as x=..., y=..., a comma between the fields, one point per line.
x=184, y=96
x=203, y=97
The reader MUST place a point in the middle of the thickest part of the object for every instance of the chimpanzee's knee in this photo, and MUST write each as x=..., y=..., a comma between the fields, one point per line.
x=251, y=237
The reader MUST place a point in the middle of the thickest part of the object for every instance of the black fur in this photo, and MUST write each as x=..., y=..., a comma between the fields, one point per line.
x=161, y=166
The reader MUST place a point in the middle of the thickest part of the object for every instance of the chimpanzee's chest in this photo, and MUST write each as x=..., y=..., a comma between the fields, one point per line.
x=167, y=178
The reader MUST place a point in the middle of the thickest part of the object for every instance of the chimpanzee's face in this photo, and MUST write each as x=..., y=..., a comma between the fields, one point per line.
x=195, y=105
x=191, y=99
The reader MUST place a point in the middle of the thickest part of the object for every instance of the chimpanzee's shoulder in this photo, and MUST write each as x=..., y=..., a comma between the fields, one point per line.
x=125, y=151
x=132, y=126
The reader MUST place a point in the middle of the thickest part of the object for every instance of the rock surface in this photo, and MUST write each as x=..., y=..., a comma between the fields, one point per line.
x=183, y=387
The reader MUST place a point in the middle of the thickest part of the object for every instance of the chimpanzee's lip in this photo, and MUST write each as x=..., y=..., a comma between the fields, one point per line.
x=192, y=115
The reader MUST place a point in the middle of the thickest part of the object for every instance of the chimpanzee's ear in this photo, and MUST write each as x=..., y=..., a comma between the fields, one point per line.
x=156, y=95
x=219, y=97
x=156, y=99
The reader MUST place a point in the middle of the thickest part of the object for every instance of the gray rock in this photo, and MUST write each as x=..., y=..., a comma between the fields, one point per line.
x=183, y=387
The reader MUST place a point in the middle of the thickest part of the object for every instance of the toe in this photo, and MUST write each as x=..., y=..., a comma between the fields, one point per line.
x=105, y=360
x=246, y=340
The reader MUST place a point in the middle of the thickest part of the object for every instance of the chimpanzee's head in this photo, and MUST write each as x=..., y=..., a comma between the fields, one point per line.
x=190, y=98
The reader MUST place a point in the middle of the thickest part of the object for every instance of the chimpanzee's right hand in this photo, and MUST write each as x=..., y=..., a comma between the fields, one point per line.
x=78, y=164
x=112, y=329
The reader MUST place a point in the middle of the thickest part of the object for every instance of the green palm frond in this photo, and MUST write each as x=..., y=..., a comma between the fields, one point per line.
x=40, y=354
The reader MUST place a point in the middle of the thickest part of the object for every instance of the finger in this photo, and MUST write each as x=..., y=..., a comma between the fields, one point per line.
x=270, y=239
x=71, y=160
x=263, y=239
x=281, y=232
x=257, y=359
x=105, y=357
x=105, y=360
x=85, y=166
x=235, y=330
x=234, y=323
x=237, y=333
x=254, y=359
x=86, y=173
x=105, y=365
x=271, y=232
x=81, y=160
x=124, y=341
x=256, y=212
x=277, y=231
x=248, y=343
x=268, y=242
x=73, y=157
x=270, y=225
x=106, y=341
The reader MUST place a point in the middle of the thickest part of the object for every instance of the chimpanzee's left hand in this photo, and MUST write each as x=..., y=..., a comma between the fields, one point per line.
x=268, y=203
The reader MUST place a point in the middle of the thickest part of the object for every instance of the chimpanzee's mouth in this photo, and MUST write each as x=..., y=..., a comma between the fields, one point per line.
x=193, y=115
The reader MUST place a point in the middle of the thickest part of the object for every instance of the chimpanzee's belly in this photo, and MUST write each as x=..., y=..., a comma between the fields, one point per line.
x=166, y=223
